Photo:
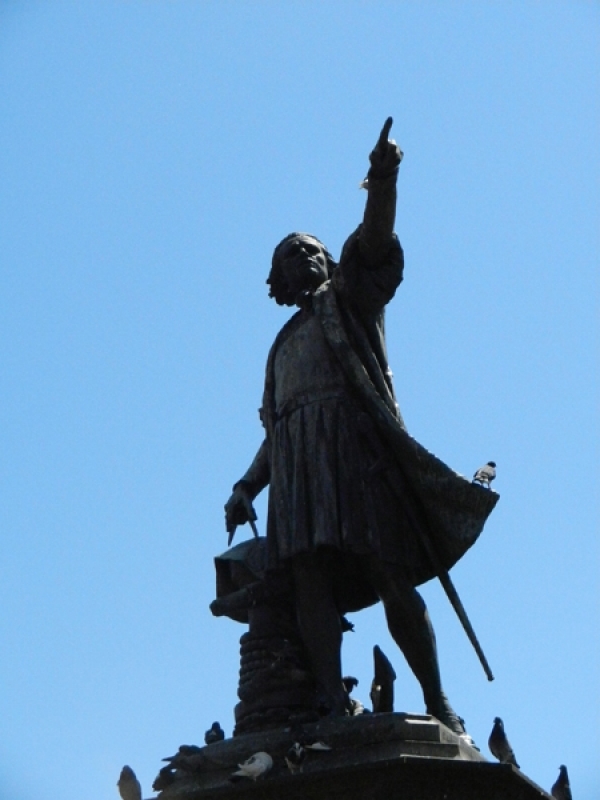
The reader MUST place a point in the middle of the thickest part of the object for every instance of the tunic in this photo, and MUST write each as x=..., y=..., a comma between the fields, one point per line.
x=325, y=490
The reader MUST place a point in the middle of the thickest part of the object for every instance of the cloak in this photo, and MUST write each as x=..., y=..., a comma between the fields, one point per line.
x=446, y=506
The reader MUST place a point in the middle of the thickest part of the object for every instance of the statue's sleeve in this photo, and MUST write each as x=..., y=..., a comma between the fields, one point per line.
x=366, y=284
x=372, y=261
x=257, y=475
x=377, y=228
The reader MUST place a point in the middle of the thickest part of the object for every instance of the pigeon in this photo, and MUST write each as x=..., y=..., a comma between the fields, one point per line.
x=258, y=764
x=295, y=758
x=500, y=746
x=165, y=778
x=129, y=786
x=486, y=474
x=214, y=734
x=561, y=790
x=316, y=744
x=306, y=741
x=184, y=751
x=355, y=707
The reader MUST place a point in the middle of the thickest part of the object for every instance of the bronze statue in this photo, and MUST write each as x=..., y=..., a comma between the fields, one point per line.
x=358, y=511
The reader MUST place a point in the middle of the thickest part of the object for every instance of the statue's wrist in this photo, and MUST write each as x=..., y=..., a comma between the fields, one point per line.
x=245, y=485
x=379, y=176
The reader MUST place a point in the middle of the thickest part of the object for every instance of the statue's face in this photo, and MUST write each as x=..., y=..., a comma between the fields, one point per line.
x=303, y=264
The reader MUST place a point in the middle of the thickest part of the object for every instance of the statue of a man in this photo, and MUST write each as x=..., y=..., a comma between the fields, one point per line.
x=351, y=493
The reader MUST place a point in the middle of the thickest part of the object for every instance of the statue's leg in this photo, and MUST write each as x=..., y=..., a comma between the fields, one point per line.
x=410, y=627
x=319, y=624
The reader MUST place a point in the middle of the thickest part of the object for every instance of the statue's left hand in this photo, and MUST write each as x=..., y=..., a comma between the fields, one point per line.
x=386, y=155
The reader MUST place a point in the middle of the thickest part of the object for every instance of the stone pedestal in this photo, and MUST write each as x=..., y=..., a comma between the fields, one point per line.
x=373, y=757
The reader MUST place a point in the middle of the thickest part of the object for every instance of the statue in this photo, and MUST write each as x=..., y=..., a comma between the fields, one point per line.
x=358, y=511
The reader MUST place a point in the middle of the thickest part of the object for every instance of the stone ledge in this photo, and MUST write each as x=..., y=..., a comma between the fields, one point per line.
x=374, y=744
x=405, y=778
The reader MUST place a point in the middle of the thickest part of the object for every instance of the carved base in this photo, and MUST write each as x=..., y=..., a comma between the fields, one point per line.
x=373, y=757
x=275, y=684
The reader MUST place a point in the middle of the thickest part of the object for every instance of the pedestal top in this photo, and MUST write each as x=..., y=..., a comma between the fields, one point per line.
x=393, y=756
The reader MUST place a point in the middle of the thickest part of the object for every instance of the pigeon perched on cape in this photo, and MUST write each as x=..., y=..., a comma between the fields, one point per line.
x=500, y=746
x=486, y=474
x=561, y=789
x=128, y=784
x=214, y=734
x=255, y=767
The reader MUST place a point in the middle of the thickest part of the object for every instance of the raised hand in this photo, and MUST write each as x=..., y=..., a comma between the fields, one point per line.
x=386, y=155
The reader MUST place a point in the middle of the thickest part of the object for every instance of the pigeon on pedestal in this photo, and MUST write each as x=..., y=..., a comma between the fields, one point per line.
x=561, y=790
x=128, y=784
x=500, y=746
x=486, y=474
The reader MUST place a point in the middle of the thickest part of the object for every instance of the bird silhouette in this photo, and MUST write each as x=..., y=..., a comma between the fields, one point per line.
x=561, y=789
x=184, y=751
x=128, y=784
x=355, y=707
x=165, y=778
x=214, y=734
x=499, y=745
x=486, y=474
x=302, y=738
x=255, y=767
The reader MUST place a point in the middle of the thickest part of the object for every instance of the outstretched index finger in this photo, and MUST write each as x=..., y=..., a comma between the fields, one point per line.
x=384, y=135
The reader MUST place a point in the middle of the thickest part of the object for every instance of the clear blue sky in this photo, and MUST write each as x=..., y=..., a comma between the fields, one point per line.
x=152, y=153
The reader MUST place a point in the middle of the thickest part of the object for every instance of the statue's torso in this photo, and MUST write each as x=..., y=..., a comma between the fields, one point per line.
x=305, y=368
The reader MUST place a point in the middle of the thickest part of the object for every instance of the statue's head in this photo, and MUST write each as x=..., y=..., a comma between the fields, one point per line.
x=301, y=263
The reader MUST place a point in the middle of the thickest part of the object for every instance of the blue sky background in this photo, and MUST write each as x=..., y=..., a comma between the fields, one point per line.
x=151, y=156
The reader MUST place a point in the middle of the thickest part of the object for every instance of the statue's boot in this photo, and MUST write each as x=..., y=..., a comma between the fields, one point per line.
x=442, y=710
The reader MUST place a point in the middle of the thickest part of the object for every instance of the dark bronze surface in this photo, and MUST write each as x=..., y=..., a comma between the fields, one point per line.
x=358, y=510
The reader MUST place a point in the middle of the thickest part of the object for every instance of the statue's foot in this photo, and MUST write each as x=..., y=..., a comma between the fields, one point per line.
x=443, y=711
